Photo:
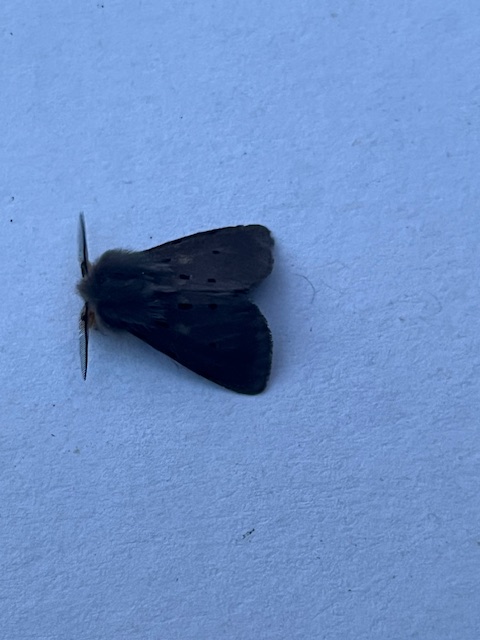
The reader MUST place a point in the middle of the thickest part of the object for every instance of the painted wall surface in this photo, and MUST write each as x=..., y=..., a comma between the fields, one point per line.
x=344, y=502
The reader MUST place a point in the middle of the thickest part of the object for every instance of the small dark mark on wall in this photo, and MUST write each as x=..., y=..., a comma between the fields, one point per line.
x=314, y=291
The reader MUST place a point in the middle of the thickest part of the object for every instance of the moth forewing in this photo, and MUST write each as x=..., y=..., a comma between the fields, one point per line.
x=220, y=260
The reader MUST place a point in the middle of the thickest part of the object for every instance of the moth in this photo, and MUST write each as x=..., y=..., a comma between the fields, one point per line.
x=188, y=299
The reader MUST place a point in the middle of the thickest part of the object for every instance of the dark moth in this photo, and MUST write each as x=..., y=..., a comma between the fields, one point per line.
x=188, y=299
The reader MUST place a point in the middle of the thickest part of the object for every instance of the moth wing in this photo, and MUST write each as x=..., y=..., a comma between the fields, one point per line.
x=228, y=259
x=222, y=337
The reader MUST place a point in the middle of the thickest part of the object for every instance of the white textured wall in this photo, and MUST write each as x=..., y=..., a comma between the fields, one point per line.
x=147, y=503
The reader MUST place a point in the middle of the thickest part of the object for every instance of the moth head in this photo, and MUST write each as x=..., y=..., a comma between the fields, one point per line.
x=119, y=288
x=110, y=277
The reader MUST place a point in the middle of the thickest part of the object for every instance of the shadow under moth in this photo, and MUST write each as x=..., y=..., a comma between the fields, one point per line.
x=188, y=299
